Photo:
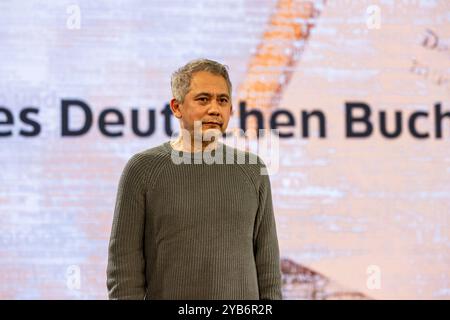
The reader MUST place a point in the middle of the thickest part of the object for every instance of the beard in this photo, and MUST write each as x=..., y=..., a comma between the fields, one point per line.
x=206, y=133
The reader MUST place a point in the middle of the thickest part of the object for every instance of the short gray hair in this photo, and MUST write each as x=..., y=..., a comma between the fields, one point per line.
x=181, y=79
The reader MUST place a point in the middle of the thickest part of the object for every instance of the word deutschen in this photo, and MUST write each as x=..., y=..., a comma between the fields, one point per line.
x=360, y=121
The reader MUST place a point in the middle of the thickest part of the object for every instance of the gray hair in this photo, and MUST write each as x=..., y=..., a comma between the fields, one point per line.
x=181, y=79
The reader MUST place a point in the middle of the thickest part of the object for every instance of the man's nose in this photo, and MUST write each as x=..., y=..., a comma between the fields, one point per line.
x=214, y=107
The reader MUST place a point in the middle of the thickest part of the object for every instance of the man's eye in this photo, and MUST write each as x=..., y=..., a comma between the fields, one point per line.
x=224, y=100
x=203, y=99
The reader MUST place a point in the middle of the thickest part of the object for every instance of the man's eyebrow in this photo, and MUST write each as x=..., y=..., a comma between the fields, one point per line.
x=209, y=94
x=203, y=94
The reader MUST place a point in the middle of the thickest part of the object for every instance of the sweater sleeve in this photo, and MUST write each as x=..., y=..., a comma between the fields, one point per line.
x=266, y=250
x=126, y=264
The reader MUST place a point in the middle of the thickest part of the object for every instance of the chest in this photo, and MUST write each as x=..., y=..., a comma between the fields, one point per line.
x=195, y=199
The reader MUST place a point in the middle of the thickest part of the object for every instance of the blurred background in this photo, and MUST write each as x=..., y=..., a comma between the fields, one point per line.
x=357, y=218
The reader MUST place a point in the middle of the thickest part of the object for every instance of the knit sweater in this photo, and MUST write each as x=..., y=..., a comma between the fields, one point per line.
x=186, y=227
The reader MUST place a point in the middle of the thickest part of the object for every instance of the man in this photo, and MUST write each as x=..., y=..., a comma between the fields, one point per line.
x=195, y=229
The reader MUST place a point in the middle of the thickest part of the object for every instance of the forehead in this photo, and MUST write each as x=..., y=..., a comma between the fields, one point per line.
x=204, y=81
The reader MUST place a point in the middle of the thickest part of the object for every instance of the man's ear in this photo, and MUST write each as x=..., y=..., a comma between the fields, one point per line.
x=175, y=107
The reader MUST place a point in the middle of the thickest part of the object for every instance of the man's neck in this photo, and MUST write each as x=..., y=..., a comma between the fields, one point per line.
x=185, y=145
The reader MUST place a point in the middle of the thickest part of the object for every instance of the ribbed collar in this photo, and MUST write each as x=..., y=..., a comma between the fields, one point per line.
x=199, y=157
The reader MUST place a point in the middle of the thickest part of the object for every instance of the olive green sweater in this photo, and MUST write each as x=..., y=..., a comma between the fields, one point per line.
x=197, y=230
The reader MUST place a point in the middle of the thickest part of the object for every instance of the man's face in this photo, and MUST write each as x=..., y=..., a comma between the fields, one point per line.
x=208, y=103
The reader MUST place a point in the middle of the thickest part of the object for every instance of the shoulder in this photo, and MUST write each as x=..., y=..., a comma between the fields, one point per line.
x=146, y=163
x=251, y=164
x=150, y=155
x=248, y=158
